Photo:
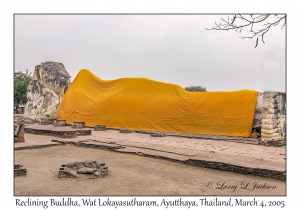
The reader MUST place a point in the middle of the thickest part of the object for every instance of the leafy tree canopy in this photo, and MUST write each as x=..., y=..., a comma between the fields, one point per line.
x=21, y=81
x=196, y=89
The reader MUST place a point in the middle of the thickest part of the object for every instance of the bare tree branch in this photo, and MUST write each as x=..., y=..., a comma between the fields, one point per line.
x=239, y=22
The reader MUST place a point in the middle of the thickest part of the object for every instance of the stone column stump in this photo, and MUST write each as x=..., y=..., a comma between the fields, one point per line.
x=78, y=124
x=125, y=131
x=100, y=128
x=19, y=170
x=45, y=121
x=59, y=123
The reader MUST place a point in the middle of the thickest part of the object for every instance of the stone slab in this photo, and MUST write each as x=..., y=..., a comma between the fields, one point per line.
x=61, y=132
x=215, y=154
x=249, y=169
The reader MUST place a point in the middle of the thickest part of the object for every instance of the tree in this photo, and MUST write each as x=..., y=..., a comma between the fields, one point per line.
x=195, y=89
x=21, y=81
x=259, y=25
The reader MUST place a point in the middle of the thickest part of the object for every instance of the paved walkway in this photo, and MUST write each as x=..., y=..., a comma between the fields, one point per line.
x=181, y=148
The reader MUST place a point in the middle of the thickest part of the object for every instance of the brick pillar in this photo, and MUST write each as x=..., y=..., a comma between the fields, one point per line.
x=20, y=138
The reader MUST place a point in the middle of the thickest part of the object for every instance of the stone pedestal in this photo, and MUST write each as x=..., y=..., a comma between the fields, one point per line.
x=59, y=123
x=100, y=128
x=45, y=121
x=158, y=135
x=19, y=170
x=125, y=131
x=84, y=170
x=78, y=124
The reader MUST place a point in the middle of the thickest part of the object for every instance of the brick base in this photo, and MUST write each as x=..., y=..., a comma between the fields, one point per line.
x=20, y=138
x=19, y=170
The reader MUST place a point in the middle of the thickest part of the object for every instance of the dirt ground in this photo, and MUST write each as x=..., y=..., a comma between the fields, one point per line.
x=130, y=174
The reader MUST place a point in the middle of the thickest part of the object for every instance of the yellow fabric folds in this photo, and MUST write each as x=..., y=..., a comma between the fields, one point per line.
x=144, y=104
